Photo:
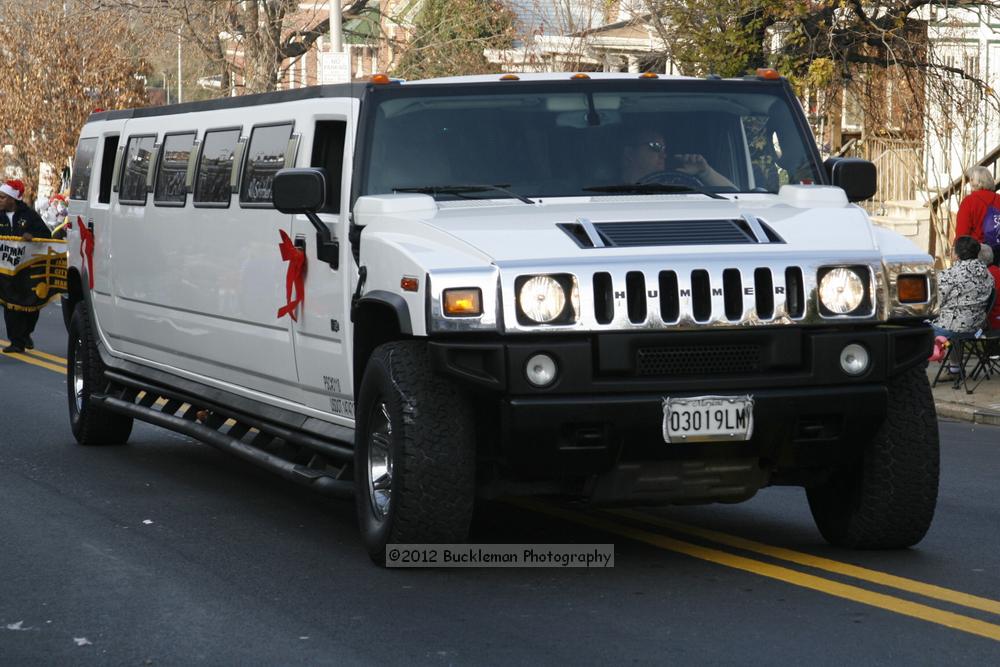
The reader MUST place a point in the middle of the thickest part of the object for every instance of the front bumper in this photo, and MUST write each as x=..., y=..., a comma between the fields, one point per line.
x=603, y=416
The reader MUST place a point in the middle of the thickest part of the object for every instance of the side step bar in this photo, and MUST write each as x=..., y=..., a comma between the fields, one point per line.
x=231, y=441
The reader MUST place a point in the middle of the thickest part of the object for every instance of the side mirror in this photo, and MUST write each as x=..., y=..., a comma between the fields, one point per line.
x=299, y=190
x=857, y=177
x=303, y=191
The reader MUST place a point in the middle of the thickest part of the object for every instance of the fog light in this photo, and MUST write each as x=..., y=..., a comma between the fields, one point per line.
x=854, y=359
x=541, y=370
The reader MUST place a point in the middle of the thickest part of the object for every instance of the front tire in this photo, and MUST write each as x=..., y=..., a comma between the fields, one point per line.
x=91, y=424
x=886, y=500
x=414, y=457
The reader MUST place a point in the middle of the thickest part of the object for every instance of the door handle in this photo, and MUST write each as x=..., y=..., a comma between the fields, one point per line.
x=300, y=242
x=90, y=224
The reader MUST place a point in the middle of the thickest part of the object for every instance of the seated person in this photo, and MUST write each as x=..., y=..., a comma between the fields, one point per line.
x=645, y=156
x=964, y=288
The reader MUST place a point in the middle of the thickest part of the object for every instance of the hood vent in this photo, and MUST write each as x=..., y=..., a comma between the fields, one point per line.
x=733, y=231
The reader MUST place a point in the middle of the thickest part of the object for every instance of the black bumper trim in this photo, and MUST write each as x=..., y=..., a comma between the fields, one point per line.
x=606, y=364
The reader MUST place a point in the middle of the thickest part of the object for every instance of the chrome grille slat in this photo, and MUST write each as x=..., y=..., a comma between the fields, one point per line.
x=718, y=299
x=780, y=292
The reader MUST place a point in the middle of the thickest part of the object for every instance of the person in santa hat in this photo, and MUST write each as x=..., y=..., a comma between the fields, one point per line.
x=19, y=219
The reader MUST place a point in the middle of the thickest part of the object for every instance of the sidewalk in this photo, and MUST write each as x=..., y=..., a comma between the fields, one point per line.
x=982, y=406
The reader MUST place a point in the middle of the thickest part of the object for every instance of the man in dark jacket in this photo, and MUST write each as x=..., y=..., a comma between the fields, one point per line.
x=19, y=219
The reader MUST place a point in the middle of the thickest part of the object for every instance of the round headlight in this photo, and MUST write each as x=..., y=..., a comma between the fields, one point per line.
x=854, y=359
x=540, y=370
x=542, y=299
x=841, y=290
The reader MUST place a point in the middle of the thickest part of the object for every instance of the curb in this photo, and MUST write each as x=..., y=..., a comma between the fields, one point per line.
x=964, y=412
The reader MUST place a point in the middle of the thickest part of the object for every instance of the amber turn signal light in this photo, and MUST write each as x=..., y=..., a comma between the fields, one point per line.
x=911, y=289
x=463, y=302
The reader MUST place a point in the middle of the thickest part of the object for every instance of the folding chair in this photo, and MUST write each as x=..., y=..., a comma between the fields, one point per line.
x=987, y=355
x=978, y=345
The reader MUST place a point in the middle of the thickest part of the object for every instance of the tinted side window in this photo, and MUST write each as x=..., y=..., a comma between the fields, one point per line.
x=211, y=182
x=264, y=158
x=328, y=152
x=172, y=173
x=133, y=186
x=107, y=169
x=82, y=165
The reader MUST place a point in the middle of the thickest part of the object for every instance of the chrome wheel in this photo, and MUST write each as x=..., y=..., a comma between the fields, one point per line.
x=78, y=375
x=380, y=460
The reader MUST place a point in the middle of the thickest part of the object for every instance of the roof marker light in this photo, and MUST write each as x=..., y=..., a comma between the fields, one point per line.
x=580, y=75
x=649, y=75
x=768, y=73
x=380, y=79
x=510, y=77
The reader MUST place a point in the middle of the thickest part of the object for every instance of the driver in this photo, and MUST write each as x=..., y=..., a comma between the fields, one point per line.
x=644, y=156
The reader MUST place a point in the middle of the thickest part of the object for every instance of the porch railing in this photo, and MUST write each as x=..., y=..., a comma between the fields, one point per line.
x=899, y=164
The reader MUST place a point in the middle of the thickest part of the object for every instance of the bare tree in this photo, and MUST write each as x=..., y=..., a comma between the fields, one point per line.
x=450, y=37
x=61, y=66
x=251, y=42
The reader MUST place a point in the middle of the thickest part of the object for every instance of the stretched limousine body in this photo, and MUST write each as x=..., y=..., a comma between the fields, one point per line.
x=416, y=292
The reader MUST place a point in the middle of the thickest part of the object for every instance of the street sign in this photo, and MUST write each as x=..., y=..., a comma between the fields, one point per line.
x=335, y=67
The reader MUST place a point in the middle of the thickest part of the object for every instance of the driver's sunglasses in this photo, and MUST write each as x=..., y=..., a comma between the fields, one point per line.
x=655, y=146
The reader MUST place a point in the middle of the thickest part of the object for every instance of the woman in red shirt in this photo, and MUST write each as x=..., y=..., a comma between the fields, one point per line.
x=973, y=208
x=986, y=256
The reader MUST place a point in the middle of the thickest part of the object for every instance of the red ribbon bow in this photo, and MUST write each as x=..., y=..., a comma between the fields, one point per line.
x=294, y=277
x=86, y=249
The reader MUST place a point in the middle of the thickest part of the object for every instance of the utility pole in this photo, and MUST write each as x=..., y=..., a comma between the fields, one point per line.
x=180, y=79
x=336, y=27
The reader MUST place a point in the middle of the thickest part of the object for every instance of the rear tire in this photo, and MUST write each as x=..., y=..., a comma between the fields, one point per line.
x=886, y=500
x=414, y=456
x=91, y=424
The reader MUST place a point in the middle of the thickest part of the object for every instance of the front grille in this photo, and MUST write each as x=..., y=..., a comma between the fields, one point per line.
x=697, y=360
x=731, y=295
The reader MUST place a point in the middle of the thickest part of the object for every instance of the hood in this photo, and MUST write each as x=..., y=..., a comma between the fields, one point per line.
x=650, y=226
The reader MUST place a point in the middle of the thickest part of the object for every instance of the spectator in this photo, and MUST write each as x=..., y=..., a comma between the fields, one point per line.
x=55, y=214
x=972, y=210
x=987, y=257
x=964, y=290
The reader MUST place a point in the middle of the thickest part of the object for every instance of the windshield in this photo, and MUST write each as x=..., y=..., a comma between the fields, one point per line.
x=548, y=142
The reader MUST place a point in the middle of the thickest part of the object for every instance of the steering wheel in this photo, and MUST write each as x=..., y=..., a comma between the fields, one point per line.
x=672, y=177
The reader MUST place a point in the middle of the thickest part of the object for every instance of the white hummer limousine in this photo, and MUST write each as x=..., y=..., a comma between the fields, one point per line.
x=628, y=289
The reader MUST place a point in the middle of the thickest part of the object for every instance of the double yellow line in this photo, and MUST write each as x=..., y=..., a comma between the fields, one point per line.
x=609, y=521
x=37, y=358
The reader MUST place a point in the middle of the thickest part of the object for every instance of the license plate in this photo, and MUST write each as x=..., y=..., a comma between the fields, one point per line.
x=708, y=418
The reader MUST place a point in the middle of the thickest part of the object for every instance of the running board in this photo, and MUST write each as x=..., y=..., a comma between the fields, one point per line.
x=231, y=441
x=218, y=415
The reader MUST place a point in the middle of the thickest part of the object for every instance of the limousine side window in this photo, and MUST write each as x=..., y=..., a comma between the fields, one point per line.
x=264, y=158
x=328, y=152
x=212, y=182
x=107, y=169
x=133, y=186
x=82, y=164
x=171, y=175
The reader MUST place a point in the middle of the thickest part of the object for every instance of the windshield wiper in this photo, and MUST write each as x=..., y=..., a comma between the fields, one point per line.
x=651, y=188
x=464, y=189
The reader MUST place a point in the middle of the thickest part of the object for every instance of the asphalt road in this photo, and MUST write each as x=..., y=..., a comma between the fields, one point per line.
x=167, y=552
